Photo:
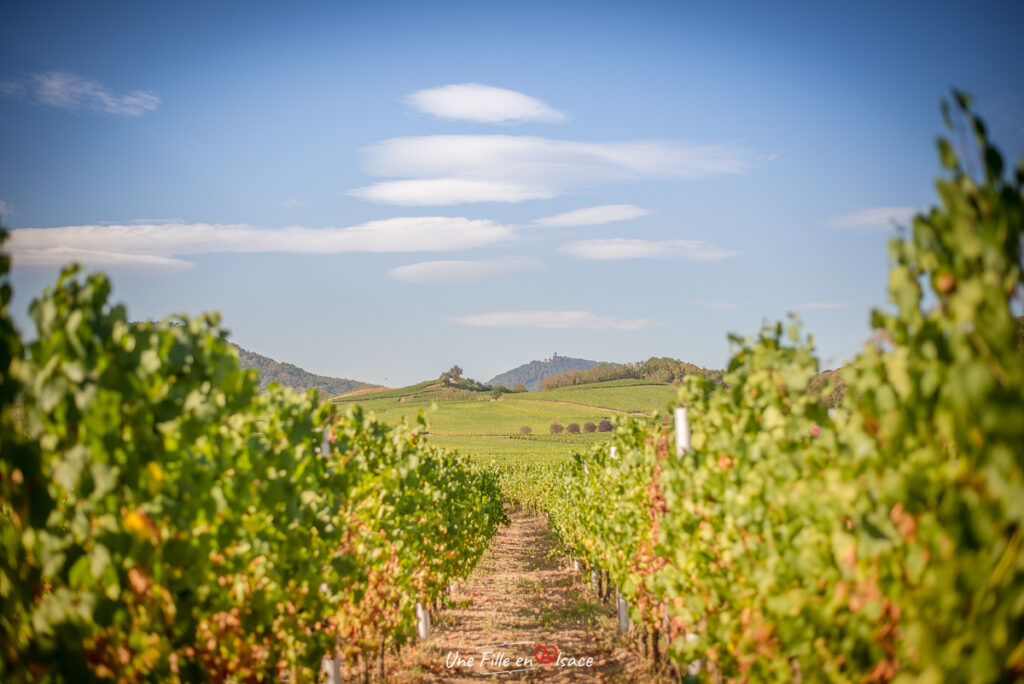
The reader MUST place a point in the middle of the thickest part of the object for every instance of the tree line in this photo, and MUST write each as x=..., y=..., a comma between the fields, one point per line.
x=655, y=369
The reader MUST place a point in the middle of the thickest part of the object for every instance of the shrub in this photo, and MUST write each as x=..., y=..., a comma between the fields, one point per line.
x=556, y=428
x=604, y=426
x=573, y=428
x=526, y=429
x=589, y=427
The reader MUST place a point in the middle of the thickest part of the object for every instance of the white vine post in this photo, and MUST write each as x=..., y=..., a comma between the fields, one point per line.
x=422, y=622
x=693, y=669
x=682, y=432
x=330, y=667
x=623, y=612
x=620, y=603
x=682, y=446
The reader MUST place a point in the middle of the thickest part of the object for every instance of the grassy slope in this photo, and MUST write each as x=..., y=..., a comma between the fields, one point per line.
x=642, y=396
x=491, y=429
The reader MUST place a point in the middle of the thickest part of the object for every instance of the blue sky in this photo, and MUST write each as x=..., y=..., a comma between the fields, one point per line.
x=381, y=190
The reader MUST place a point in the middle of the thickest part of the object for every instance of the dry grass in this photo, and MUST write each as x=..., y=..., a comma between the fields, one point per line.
x=360, y=392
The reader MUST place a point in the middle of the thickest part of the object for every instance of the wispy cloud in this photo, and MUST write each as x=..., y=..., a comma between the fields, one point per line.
x=5, y=209
x=436, y=191
x=467, y=168
x=553, y=320
x=822, y=305
x=77, y=93
x=116, y=245
x=713, y=304
x=439, y=272
x=143, y=222
x=622, y=248
x=594, y=216
x=478, y=102
x=120, y=262
x=873, y=219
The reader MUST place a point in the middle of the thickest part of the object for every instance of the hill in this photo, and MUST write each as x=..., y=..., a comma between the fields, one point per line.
x=515, y=425
x=654, y=369
x=530, y=374
x=297, y=378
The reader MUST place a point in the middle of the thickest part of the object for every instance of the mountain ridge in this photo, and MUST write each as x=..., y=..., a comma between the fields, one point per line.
x=530, y=374
x=299, y=379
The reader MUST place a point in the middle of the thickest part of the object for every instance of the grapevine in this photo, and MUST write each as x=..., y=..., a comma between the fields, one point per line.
x=880, y=541
x=163, y=520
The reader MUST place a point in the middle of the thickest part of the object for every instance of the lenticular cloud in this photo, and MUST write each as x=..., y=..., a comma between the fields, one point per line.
x=447, y=272
x=157, y=244
x=454, y=169
x=594, y=216
x=487, y=104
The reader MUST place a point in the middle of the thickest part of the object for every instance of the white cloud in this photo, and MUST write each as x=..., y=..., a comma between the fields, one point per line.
x=144, y=264
x=434, y=191
x=823, y=305
x=439, y=272
x=713, y=304
x=526, y=167
x=135, y=242
x=594, y=216
x=77, y=93
x=873, y=219
x=622, y=248
x=142, y=221
x=5, y=209
x=553, y=320
x=477, y=102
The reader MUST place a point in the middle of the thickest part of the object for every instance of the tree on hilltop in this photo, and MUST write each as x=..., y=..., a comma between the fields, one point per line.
x=453, y=374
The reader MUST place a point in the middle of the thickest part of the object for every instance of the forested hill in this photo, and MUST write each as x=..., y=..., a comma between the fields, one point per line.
x=530, y=374
x=295, y=377
x=655, y=369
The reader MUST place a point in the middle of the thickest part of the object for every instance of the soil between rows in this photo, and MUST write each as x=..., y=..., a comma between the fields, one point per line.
x=520, y=597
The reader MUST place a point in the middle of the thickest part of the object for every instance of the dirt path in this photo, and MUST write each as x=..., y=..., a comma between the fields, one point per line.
x=519, y=598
